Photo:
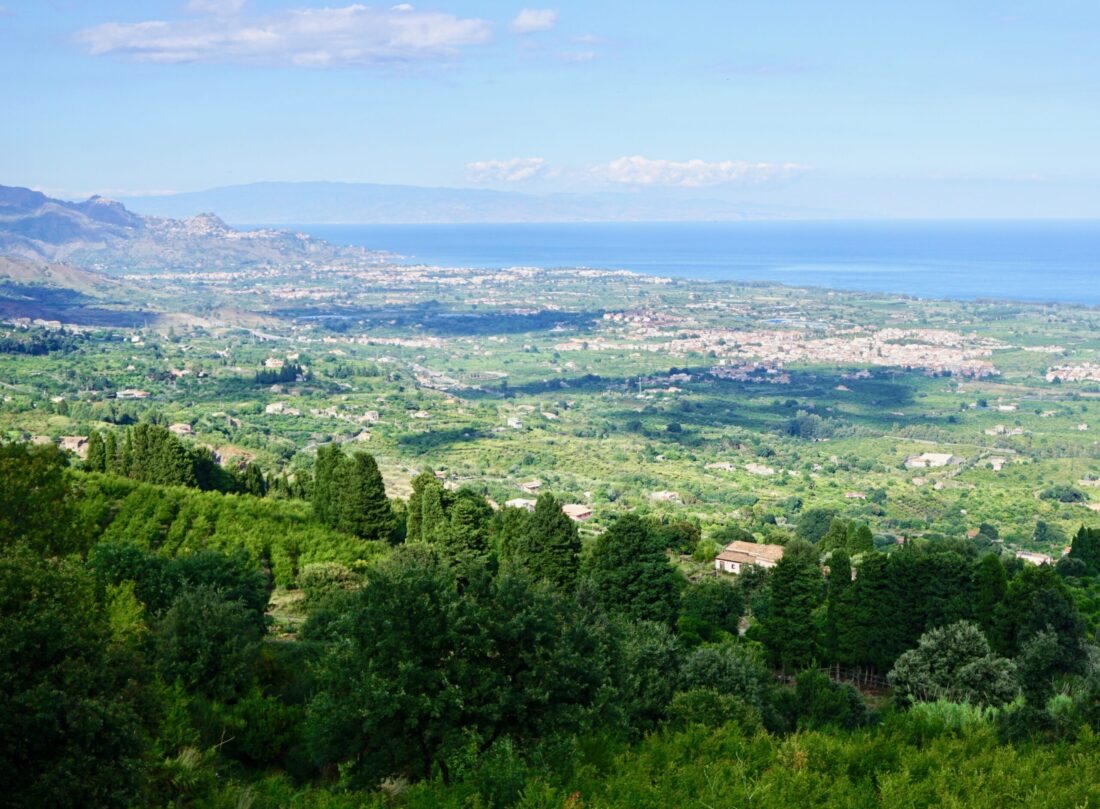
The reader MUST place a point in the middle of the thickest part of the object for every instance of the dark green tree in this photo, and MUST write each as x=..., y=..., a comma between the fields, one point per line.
x=991, y=582
x=36, y=500
x=549, y=546
x=860, y=539
x=208, y=643
x=1086, y=547
x=709, y=610
x=95, y=460
x=631, y=574
x=253, y=481
x=814, y=523
x=840, y=579
x=361, y=506
x=796, y=587
x=74, y=712
x=954, y=663
x=425, y=668
x=836, y=538
x=325, y=482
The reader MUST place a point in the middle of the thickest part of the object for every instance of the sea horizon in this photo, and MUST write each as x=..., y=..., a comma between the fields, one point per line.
x=1039, y=261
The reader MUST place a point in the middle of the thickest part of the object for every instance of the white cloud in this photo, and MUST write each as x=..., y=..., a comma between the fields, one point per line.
x=638, y=170
x=532, y=20
x=311, y=37
x=578, y=57
x=215, y=6
x=515, y=170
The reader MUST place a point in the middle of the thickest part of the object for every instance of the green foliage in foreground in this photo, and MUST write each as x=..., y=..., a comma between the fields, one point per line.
x=135, y=669
x=915, y=761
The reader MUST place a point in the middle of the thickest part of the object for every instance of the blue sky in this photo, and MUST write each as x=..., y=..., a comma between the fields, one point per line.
x=959, y=108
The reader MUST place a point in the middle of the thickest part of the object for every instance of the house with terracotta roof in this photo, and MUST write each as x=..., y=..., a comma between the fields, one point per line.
x=577, y=512
x=737, y=555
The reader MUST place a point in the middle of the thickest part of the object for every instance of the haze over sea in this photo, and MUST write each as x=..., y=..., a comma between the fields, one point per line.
x=1016, y=260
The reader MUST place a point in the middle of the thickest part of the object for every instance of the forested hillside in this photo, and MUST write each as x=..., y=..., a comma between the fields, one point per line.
x=317, y=643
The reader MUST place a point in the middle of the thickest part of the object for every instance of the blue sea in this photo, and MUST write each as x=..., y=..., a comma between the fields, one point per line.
x=1055, y=261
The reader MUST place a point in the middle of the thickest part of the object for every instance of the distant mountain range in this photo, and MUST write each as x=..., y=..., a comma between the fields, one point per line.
x=367, y=203
x=103, y=235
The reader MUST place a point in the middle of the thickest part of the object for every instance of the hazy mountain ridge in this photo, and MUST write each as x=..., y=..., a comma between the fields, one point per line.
x=312, y=203
x=105, y=235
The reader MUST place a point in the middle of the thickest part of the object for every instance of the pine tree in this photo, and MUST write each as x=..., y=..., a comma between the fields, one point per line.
x=511, y=529
x=549, y=548
x=631, y=574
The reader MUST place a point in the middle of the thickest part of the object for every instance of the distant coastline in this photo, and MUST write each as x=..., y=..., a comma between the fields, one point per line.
x=1056, y=261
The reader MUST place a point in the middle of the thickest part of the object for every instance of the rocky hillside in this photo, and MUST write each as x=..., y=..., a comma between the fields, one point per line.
x=101, y=234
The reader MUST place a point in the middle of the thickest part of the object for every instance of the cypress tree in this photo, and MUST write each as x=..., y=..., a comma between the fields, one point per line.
x=112, y=460
x=413, y=532
x=254, y=482
x=836, y=537
x=860, y=539
x=796, y=589
x=990, y=583
x=1086, y=547
x=362, y=507
x=324, y=482
x=840, y=579
x=96, y=458
x=434, y=523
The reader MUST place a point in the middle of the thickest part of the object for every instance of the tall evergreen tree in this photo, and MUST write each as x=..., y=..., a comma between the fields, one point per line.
x=329, y=458
x=795, y=591
x=253, y=481
x=113, y=460
x=836, y=538
x=413, y=531
x=1086, y=547
x=631, y=574
x=990, y=582
x=361, y=505
x=840, y=579
x=467, y=542
x=434, y=523
x=860, y=539
x=549, y=548
x=95, y=460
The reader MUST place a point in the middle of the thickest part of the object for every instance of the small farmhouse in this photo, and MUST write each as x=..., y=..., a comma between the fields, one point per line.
x=1034, y=558
x=738, y=555
x=577, y=512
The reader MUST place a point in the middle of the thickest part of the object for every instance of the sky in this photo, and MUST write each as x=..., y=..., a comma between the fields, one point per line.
x=960, y=108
